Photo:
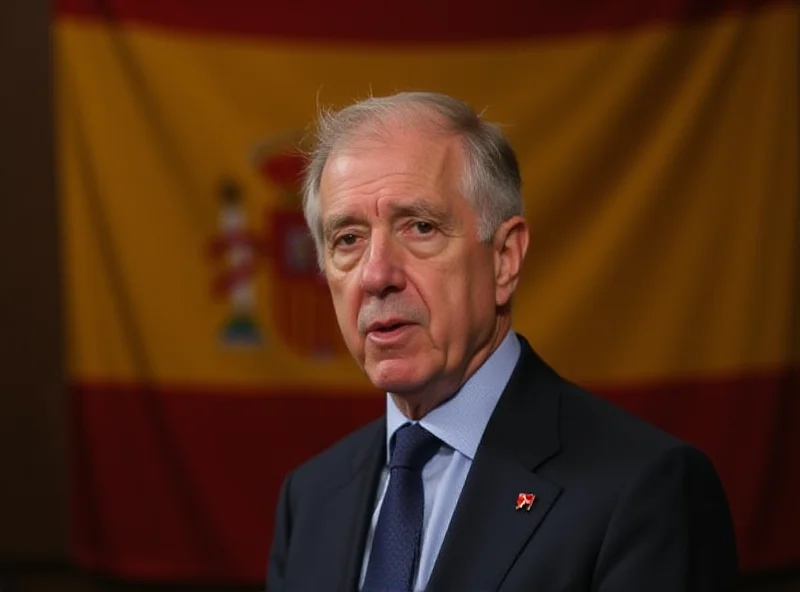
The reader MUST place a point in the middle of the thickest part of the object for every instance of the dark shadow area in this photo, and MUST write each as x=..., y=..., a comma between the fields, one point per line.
x=39, y=578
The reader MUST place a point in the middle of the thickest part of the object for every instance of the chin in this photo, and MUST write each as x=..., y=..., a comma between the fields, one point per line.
x=396, y=376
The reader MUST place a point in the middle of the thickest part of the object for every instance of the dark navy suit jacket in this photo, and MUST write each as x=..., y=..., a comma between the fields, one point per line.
x=620, y=505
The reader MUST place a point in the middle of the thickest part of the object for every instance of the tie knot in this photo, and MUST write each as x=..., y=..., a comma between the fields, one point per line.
x=413, y=447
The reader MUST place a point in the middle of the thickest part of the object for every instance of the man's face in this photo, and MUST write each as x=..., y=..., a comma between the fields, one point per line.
x=413, y=287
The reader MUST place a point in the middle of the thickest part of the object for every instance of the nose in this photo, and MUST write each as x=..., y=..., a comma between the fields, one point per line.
x=381, y=271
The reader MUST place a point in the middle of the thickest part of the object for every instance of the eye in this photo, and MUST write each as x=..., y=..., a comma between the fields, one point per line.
x=346, y=240
x=422, y=227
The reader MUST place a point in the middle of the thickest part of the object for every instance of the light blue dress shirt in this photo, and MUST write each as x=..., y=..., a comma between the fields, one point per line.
x=459, y=423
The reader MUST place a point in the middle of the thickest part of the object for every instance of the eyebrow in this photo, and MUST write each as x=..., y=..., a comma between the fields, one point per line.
x=337, y=221
x=418, y=209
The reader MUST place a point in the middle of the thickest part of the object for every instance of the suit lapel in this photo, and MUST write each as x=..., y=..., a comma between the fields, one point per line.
x=345, y=519
x=487, y=532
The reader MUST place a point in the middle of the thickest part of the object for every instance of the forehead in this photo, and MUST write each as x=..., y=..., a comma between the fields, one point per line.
x=399, y=163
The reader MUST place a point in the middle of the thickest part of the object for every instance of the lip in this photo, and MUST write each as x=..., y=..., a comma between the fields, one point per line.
x=389, y=332
x=380, y=325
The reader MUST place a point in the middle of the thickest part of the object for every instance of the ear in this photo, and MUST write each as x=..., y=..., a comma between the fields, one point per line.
x=510, y=243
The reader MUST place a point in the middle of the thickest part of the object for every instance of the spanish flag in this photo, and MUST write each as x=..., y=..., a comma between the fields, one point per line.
x=659, y=149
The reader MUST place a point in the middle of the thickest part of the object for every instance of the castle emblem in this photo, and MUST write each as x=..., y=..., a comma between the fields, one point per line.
x=302, y=313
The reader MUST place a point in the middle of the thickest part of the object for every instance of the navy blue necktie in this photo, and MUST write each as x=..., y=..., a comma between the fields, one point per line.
x=396, y=543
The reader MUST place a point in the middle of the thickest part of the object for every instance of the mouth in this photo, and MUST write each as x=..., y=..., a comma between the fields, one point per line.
x=389, y=333
x=386, y=326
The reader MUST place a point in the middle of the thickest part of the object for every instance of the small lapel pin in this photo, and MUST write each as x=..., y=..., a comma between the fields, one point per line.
x=525, y=500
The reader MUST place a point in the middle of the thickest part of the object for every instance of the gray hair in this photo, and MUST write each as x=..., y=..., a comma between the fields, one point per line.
x=491, y=180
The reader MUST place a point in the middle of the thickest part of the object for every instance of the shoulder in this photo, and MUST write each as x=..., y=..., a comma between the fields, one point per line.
x=616, y=448
x=340, y=460
x=585, y=416
x=587, y=426
x=612, y=463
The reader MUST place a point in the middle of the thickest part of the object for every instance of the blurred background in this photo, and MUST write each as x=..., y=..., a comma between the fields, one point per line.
x=169, y=351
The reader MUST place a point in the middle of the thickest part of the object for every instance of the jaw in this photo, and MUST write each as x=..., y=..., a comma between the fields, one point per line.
x=396, y=374
x=417, y=384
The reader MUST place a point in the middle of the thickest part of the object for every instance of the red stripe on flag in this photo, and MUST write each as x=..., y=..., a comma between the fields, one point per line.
x=182, y=483
x=410, y=21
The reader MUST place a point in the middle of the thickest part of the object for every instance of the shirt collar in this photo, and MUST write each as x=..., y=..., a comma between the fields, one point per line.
x=460, y=421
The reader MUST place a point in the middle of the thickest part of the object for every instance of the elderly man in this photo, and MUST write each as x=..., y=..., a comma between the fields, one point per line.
x=489, y=471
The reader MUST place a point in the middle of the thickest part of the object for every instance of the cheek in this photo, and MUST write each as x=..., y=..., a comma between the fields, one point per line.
x=444, y=294
x=345, y=304
x=467, y=298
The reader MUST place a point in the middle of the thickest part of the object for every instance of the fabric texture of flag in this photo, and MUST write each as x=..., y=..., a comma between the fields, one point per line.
x=659, y=148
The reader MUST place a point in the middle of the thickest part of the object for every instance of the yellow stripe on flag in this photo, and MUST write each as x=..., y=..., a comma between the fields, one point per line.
x=660, y=171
